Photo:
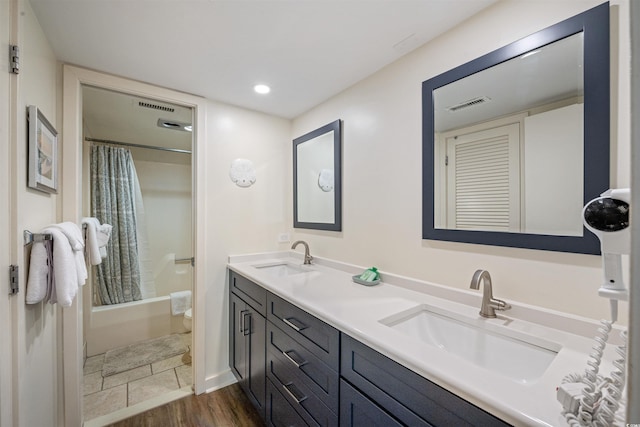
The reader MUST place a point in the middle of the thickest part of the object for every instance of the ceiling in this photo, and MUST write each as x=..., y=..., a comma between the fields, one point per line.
x=118, y=117
x=306, y=50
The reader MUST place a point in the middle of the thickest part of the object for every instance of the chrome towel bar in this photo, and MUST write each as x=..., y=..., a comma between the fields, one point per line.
x=30, y=237
x=191, y=261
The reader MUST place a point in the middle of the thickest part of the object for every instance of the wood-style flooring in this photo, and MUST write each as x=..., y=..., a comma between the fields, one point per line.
x=227, y=407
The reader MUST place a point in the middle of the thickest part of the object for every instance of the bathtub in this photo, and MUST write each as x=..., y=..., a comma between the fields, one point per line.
x=112, y=326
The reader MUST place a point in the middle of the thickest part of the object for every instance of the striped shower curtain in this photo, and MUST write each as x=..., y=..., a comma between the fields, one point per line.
x=113, y=191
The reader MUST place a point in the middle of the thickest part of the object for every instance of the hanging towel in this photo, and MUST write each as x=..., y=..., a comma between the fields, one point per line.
x=74, y=237
x=103, y=233
x=92, y=250
x=69, y=269
x=39, y=271
x=96, y=240
x=180, y=302
x=51, y=287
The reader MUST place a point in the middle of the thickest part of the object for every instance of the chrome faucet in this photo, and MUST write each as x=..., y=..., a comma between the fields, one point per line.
x=489, y=303
x=307, y=256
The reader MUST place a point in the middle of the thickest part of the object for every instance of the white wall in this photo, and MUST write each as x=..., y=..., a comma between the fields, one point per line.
x=240, y=220
x=38, y=374
x=553, y=166
x=382, y=146
x=166, y=192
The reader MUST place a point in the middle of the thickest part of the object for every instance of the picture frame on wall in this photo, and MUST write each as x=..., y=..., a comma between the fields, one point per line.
x=43, y=152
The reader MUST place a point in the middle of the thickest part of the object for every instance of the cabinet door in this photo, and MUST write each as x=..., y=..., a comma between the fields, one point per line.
x=255, y=326
x=237, y=338
x=247, y=351
x=357, y=410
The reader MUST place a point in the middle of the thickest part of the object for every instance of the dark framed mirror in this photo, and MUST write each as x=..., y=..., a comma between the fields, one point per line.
x=517, y=141
x=317, y=184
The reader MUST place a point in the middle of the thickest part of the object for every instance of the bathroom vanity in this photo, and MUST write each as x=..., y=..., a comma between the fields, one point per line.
x=311, y=347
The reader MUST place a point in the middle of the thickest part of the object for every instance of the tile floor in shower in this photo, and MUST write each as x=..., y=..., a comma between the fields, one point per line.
x=104, y=395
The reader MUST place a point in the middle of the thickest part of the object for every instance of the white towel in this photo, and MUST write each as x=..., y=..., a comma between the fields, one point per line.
x=180, y=302
x=38, y=282
x=51, y=288
x=103, y=233
x=69, y=269
x=92, y=249
x=74, y=236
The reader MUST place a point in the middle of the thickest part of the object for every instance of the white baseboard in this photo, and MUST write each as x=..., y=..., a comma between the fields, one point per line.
x=219, y=381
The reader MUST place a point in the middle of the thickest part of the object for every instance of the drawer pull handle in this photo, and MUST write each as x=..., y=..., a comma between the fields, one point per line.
x=292, y=394
x=294, y=326
x=241, y=321
x=292, y=360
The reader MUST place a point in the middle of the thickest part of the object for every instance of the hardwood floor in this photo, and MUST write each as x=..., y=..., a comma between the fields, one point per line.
x=227, y=407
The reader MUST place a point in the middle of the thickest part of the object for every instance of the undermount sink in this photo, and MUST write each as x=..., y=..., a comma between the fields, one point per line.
x=282, y=269
x=521, y=357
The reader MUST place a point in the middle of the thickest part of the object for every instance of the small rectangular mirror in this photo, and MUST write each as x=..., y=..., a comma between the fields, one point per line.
x=316, y=179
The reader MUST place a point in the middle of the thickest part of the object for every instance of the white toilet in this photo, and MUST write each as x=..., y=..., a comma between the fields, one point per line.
x=187, y=320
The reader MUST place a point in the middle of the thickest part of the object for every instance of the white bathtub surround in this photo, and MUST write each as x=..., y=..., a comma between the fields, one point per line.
x=112, y=326
x=147, y=279
x=370, y=315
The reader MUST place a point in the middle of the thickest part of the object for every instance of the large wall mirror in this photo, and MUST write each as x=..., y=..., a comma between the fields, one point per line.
x=316, y=179
x=517, y=141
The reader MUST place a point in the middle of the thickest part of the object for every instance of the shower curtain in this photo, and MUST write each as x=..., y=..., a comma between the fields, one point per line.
x=114, y=186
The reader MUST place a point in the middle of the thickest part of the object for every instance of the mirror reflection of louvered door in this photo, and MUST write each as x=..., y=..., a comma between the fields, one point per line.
x=483, y=180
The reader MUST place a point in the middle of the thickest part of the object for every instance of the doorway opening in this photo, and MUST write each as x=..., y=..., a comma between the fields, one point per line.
x=137, y=175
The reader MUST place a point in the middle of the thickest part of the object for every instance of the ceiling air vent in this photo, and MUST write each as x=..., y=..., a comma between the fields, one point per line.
x=469, y=103
x=156, y=106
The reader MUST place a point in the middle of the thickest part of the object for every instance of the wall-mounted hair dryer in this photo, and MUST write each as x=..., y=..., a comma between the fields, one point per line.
x=607, y=217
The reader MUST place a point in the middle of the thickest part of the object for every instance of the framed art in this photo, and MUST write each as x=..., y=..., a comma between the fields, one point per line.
x=43, y=152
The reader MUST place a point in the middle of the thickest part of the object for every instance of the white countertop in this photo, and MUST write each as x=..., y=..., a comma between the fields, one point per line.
x=329, y=293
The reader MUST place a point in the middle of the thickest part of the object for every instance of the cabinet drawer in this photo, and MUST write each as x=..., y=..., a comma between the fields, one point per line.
x=251, y=293
x=279, y=412
x=356, y=410
x=389, y=383
x=299, y=395
x=315, y=335
x=284, y=350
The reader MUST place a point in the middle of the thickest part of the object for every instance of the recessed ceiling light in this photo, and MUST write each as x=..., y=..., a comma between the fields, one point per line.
x=262, y=89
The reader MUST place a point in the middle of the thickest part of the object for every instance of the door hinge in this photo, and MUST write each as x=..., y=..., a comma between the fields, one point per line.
x=14, y=59
x=14, y=276
x=446, y=160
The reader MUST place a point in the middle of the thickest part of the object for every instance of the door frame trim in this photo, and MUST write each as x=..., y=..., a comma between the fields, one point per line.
x=71, y=183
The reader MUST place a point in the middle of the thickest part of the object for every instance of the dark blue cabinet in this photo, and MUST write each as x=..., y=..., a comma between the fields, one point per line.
x=358, y=410
x=247, y=329
x=303, y=356
x=279, y=411
x=407, y=397
x=312, y=333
